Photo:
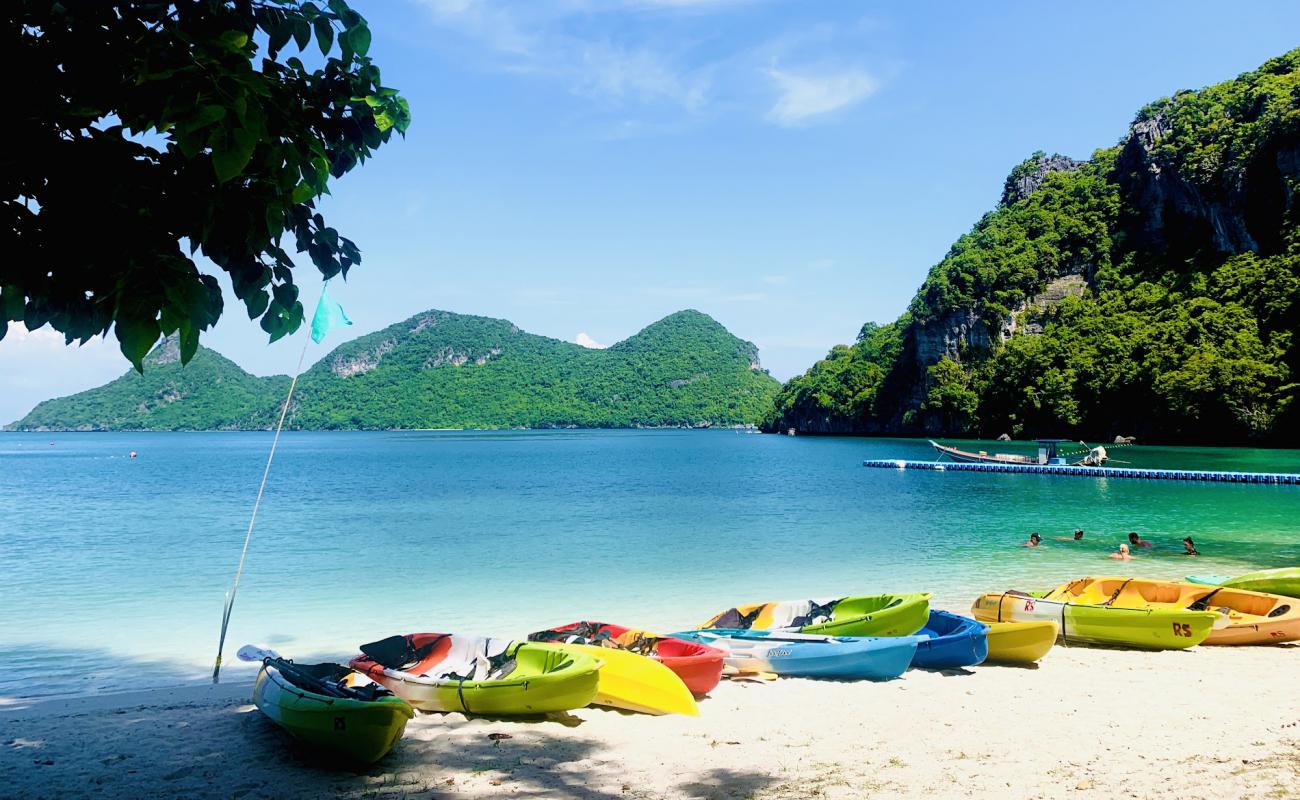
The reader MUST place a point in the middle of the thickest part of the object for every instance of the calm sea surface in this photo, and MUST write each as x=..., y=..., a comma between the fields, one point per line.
x=113, y=570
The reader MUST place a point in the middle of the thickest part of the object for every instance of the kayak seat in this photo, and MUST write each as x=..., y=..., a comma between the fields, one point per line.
x=502, y=671
x=397, y=652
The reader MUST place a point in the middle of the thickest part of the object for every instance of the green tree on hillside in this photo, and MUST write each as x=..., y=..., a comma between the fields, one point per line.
x=144, y=131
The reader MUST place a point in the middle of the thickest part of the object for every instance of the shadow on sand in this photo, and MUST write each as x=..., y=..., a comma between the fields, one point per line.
x=194, y=744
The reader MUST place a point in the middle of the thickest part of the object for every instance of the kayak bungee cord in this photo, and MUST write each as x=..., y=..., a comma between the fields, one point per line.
x=329, y=314
x=239, y=571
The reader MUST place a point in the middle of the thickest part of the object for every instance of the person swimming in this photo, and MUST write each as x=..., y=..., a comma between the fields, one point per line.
x=1034, y=539
x=1137, y=541
x=1189, y=547
x=1123, y=554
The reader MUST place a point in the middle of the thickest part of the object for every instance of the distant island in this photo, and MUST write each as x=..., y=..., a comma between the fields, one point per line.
x=444, y=370
x=1152, y=290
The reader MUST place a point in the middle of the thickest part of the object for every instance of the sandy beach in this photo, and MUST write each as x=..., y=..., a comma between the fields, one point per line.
x=1204, y=723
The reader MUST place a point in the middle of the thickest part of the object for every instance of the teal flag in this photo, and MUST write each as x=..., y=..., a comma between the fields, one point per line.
x=329, y=315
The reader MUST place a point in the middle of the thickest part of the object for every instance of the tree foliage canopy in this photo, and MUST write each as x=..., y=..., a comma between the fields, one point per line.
x=146, y=131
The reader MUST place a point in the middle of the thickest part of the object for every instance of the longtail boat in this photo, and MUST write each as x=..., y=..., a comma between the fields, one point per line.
x=1047, y=454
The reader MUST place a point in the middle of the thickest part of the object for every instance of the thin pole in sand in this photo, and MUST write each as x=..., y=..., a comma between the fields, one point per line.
x=230, y=597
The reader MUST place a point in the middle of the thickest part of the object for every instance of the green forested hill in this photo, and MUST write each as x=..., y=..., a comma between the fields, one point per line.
x=209, y=393
x=1153, y=290
x=444, y=370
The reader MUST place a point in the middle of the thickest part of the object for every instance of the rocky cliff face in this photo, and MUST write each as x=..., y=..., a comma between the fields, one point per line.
x=1239, y=210
x=1026, y=178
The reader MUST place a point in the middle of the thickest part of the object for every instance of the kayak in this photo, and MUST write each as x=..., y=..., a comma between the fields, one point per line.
x=1080, y=623
x=876, y=658
x=698, y=666
x=1020, y=642
x=321, y=705
x=1246, y=617
x=632, y=682
x=1284, y=581
x=951, y=641
x=478, y=675
x=868, y=615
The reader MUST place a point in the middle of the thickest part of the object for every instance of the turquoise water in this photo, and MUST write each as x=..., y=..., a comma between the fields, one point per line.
x=115, y=569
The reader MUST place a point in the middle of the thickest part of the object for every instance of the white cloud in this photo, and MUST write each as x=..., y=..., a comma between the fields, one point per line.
x=776, y=280
x=801, y=97
x=533, y=39
x=37, y=365
x=641, y=74
x=586, y=341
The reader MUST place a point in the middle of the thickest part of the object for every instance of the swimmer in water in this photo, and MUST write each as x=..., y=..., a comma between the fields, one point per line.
x=1034, y=539
x=1189, y=547
x=1077, y=537
x=1122, y=555
x=1137, y=541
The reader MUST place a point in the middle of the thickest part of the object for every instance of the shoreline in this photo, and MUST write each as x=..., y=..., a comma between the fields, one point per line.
x=1086, y=722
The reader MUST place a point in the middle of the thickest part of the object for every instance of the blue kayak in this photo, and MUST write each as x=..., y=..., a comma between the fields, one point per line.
x=875, y=658
x=951, y=641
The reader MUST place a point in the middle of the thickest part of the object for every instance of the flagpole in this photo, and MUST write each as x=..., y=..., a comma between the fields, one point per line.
x=252, y=520
x=317, y=333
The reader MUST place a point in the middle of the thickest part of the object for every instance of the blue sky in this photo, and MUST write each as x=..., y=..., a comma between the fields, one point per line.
x=585, y=167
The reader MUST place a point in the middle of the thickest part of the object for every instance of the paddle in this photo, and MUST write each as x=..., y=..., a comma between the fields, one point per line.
x=289, y=669
x=251, y=652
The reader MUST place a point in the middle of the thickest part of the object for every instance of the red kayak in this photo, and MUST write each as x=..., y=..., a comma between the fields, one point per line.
x=699, y=666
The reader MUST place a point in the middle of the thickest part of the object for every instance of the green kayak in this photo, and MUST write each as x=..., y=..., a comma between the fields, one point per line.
x=1284, y=581
x=864, y=615
x=318, y=704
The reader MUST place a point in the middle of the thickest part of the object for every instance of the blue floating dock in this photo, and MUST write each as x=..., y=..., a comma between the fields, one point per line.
x=1280, y=478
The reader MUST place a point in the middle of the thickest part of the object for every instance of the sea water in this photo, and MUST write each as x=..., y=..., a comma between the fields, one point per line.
x=114, y=570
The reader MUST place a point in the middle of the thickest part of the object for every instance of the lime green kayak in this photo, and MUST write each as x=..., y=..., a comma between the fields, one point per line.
x=318, y=704
x=865, y=615
x=1284, y=581
x=480, y=675
x=1085, y=623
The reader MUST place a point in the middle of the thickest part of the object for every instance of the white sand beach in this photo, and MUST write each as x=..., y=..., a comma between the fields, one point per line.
x=1205, y=723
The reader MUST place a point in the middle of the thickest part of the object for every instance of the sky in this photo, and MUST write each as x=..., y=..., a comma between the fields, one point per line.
x=792, y=168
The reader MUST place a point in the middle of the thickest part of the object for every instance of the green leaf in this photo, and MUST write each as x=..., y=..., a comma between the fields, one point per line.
x=256, y=303
x=233, y=40
x=384, y=121
x=285, y=294
x=303, y=192
x=11, y=303
x=206, y=116
x=229, y=160
x=274, y=221
x=136, y=337
x=324, y=34
x=301, y=33
x=280, y=37
x=359, y=38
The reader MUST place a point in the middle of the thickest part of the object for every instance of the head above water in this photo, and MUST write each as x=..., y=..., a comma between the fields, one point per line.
x=1078, y=533
x=1034, y=537
x=1123, y=549
x=1133, y=537
x=1189, y=545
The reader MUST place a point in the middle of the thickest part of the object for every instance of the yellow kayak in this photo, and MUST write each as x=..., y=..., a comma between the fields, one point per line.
x=1020, y=642
x=632, y=682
